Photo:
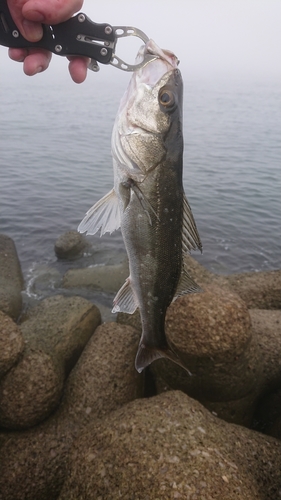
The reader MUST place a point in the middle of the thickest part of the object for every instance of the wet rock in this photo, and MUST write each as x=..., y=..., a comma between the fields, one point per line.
x=211, y=331
x=69, y=245
x=11, y=343
x=11, y=279
x=55, y=334
x=168, y=447
x=34, y=463
x=105, y=278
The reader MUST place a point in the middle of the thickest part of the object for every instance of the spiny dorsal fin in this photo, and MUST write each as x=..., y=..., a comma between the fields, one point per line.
x=125, y=300
x=190, y=237
x=104, y=215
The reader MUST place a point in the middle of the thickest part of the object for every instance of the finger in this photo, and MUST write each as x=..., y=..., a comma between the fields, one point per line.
x=78, y=68
x=18, y=55
x=51, y=12
x=36, y=61
x=32, y=31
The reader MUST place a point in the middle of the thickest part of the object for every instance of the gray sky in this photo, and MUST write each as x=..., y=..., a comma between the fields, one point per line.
x=208, y=36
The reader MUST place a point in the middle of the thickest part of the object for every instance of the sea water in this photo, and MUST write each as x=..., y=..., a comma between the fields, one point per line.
x=55, y=163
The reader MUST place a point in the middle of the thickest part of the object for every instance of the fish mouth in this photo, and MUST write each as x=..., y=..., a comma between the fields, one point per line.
x=151, y=73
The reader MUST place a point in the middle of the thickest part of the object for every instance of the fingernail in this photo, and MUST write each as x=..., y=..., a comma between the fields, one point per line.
x=33, y=32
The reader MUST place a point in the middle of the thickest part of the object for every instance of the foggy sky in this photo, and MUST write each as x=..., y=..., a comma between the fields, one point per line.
x=208, y=36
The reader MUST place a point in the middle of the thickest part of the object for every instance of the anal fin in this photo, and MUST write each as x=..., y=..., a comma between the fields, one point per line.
x=125, y=300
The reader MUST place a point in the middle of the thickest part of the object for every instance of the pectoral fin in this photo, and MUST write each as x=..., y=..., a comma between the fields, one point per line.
x=125, y=300
x=190, y=237
x=144, y=202
x=104, y=215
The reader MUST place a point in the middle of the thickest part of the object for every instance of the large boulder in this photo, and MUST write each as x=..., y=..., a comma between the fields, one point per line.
x=168, y=447
x=34, y=463
x=212, y=333
x=11, y=343
x=55, y=334
x=11, y=279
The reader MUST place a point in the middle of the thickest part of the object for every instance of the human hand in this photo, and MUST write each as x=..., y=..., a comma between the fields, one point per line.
x=29, y=15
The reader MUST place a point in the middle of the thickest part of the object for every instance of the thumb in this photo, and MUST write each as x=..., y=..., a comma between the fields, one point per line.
x=50, y=11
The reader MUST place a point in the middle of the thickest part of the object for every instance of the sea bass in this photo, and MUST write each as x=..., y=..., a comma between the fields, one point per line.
x=148, y=200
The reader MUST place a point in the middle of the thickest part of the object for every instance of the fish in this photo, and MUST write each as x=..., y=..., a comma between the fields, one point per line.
x=148, y=201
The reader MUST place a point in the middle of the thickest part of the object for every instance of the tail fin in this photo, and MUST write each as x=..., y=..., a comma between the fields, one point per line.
x=146, y=355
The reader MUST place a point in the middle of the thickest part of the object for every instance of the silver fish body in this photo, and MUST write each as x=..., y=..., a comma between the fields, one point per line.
x=148, y=201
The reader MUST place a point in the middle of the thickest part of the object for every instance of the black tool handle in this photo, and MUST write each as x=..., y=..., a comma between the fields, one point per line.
x=79, y=36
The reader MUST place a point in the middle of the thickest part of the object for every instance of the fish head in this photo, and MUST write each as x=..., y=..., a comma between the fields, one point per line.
x=150, y=112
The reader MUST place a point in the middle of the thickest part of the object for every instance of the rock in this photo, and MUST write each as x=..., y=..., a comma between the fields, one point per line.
x=55, y=334
x=11, y=279
x=104, y=377
x=11, y=343
x=267, y=328
x=211, y=331
x=34, y=463
x=168, y=447
x=105, y=278
x=30, y=391
x=267, y=417
x=259, y=290
x=69, y=245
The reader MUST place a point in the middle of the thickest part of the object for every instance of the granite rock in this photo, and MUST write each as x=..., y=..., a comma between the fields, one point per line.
x=11, y=343
x=55, y=334
x=168, y=447
x=34, y=462
x=11, y=279
x=106, y=278
x=69, y=245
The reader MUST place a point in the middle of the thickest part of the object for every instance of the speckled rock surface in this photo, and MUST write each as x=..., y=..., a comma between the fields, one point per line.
x=11, y=279
x=11, y=343
x=30, y=391
x=212, y=333
x=106, y=367
x=55, y=334
x=105, y=278
x=170, y=447
x=261, y=290
x=69, y=245
x=267, y=328
x=34, y=463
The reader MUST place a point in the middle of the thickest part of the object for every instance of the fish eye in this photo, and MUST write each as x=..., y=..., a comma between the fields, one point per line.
x=167, y=98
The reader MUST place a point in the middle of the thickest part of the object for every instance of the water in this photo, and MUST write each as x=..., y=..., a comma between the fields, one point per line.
x=56, y=162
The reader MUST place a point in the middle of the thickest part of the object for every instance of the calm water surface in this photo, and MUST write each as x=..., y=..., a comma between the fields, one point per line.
x=56, y=162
